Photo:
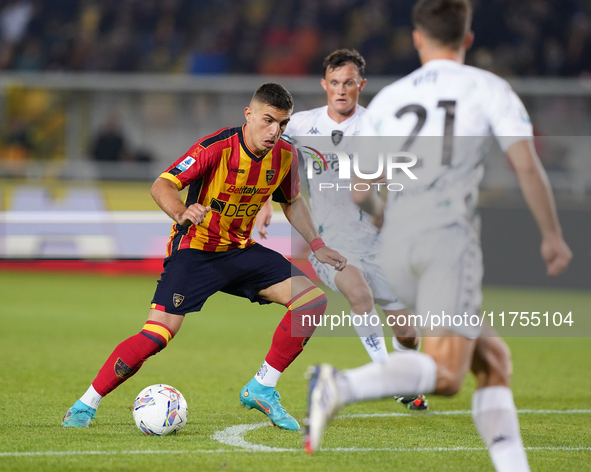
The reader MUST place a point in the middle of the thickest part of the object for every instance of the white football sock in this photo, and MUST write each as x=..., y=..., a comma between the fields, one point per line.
x=495, y=417
x=267, y=375
x=91, y=398
x=372, y=337
x=401, y=373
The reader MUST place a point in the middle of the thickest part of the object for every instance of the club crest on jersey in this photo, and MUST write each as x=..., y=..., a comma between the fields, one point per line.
x=217, y=205
x=337, y=137
x=188, y=162
x=177, y=299
x=269, y=175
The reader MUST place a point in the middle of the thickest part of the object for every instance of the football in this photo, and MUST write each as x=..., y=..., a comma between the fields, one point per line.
x=159, y=410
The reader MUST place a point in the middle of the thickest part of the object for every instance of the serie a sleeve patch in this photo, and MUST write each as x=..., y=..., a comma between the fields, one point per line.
x=184, y=165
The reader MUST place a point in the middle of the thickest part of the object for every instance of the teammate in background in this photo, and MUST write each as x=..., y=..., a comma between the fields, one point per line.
x=339, y=220
x=433, y=258
x=230, y=174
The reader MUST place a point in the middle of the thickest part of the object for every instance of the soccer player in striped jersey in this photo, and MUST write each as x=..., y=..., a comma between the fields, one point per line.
x=444, y=113
x=230, y=175
x=339, y=220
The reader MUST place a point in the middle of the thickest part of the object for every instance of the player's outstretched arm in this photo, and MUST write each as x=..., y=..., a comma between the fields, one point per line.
x=264, y=219
x=167, y=196
x=536, y=189
x=298, y=214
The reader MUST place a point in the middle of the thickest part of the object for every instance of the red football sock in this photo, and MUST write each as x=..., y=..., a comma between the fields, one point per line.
x=128, y=356
x=305, y=311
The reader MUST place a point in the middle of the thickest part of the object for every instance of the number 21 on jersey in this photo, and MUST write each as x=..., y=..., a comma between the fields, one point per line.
x=447, y=130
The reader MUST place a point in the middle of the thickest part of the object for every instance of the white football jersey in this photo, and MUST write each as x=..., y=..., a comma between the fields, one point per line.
x=339, y=220
x=444, y=113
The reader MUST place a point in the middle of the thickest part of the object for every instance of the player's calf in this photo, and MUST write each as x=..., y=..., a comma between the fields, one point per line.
x=305, y=311
x=453, y=356
x=491, y=363
x=124, y=362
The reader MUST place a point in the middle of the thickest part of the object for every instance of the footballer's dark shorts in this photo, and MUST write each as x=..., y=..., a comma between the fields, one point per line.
x=191, y=276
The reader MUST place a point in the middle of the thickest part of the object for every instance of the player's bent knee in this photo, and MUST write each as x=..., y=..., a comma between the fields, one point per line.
x=361, y=300
x=172, y=322
x=307, y=309
x=157, y=332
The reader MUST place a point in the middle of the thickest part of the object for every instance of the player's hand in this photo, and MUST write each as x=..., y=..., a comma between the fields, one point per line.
x=556, y=254
x=264, y=219
x=378, y=221
x=193, y=215
x=381, y=179
x=327, y=255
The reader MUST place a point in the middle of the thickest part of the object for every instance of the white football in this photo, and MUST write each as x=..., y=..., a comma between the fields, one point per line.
x=160, y=410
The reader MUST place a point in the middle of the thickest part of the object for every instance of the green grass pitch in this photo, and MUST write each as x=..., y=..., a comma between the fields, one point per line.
x=57, y=330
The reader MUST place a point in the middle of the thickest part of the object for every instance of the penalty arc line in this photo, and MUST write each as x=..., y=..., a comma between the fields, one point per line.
x=234, y=435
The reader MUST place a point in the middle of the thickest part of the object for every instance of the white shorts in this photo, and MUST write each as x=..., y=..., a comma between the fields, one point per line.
x=438, y=272
x=372, y=272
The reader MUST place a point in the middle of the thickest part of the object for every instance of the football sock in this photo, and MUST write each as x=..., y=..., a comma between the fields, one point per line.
x=372, y=337
x=401, y=373
x=91, y=398
x=304, y=313
x=267, y=375
x=128, y=356
x=495, y=417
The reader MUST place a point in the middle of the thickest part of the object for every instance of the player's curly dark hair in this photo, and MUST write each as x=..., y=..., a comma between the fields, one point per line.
x=446, y=21
x=341, y=57
x=274, y=95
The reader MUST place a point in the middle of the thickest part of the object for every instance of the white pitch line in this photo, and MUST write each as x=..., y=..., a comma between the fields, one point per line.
x=462, y=412
x=226, y=451
x=112, y=453
x=234, y=436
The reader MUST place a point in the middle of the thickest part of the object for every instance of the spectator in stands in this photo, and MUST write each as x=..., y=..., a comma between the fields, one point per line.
x=18, y=142
x=109, y=144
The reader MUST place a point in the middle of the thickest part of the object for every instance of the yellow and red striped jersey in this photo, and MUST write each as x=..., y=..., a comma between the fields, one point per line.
x=222, y=172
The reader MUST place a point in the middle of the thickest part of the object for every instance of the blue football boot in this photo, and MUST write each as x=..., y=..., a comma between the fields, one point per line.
x=266, y=400
x=79, y=416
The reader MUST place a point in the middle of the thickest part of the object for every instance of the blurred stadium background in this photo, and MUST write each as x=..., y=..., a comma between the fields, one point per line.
x=98, y=97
